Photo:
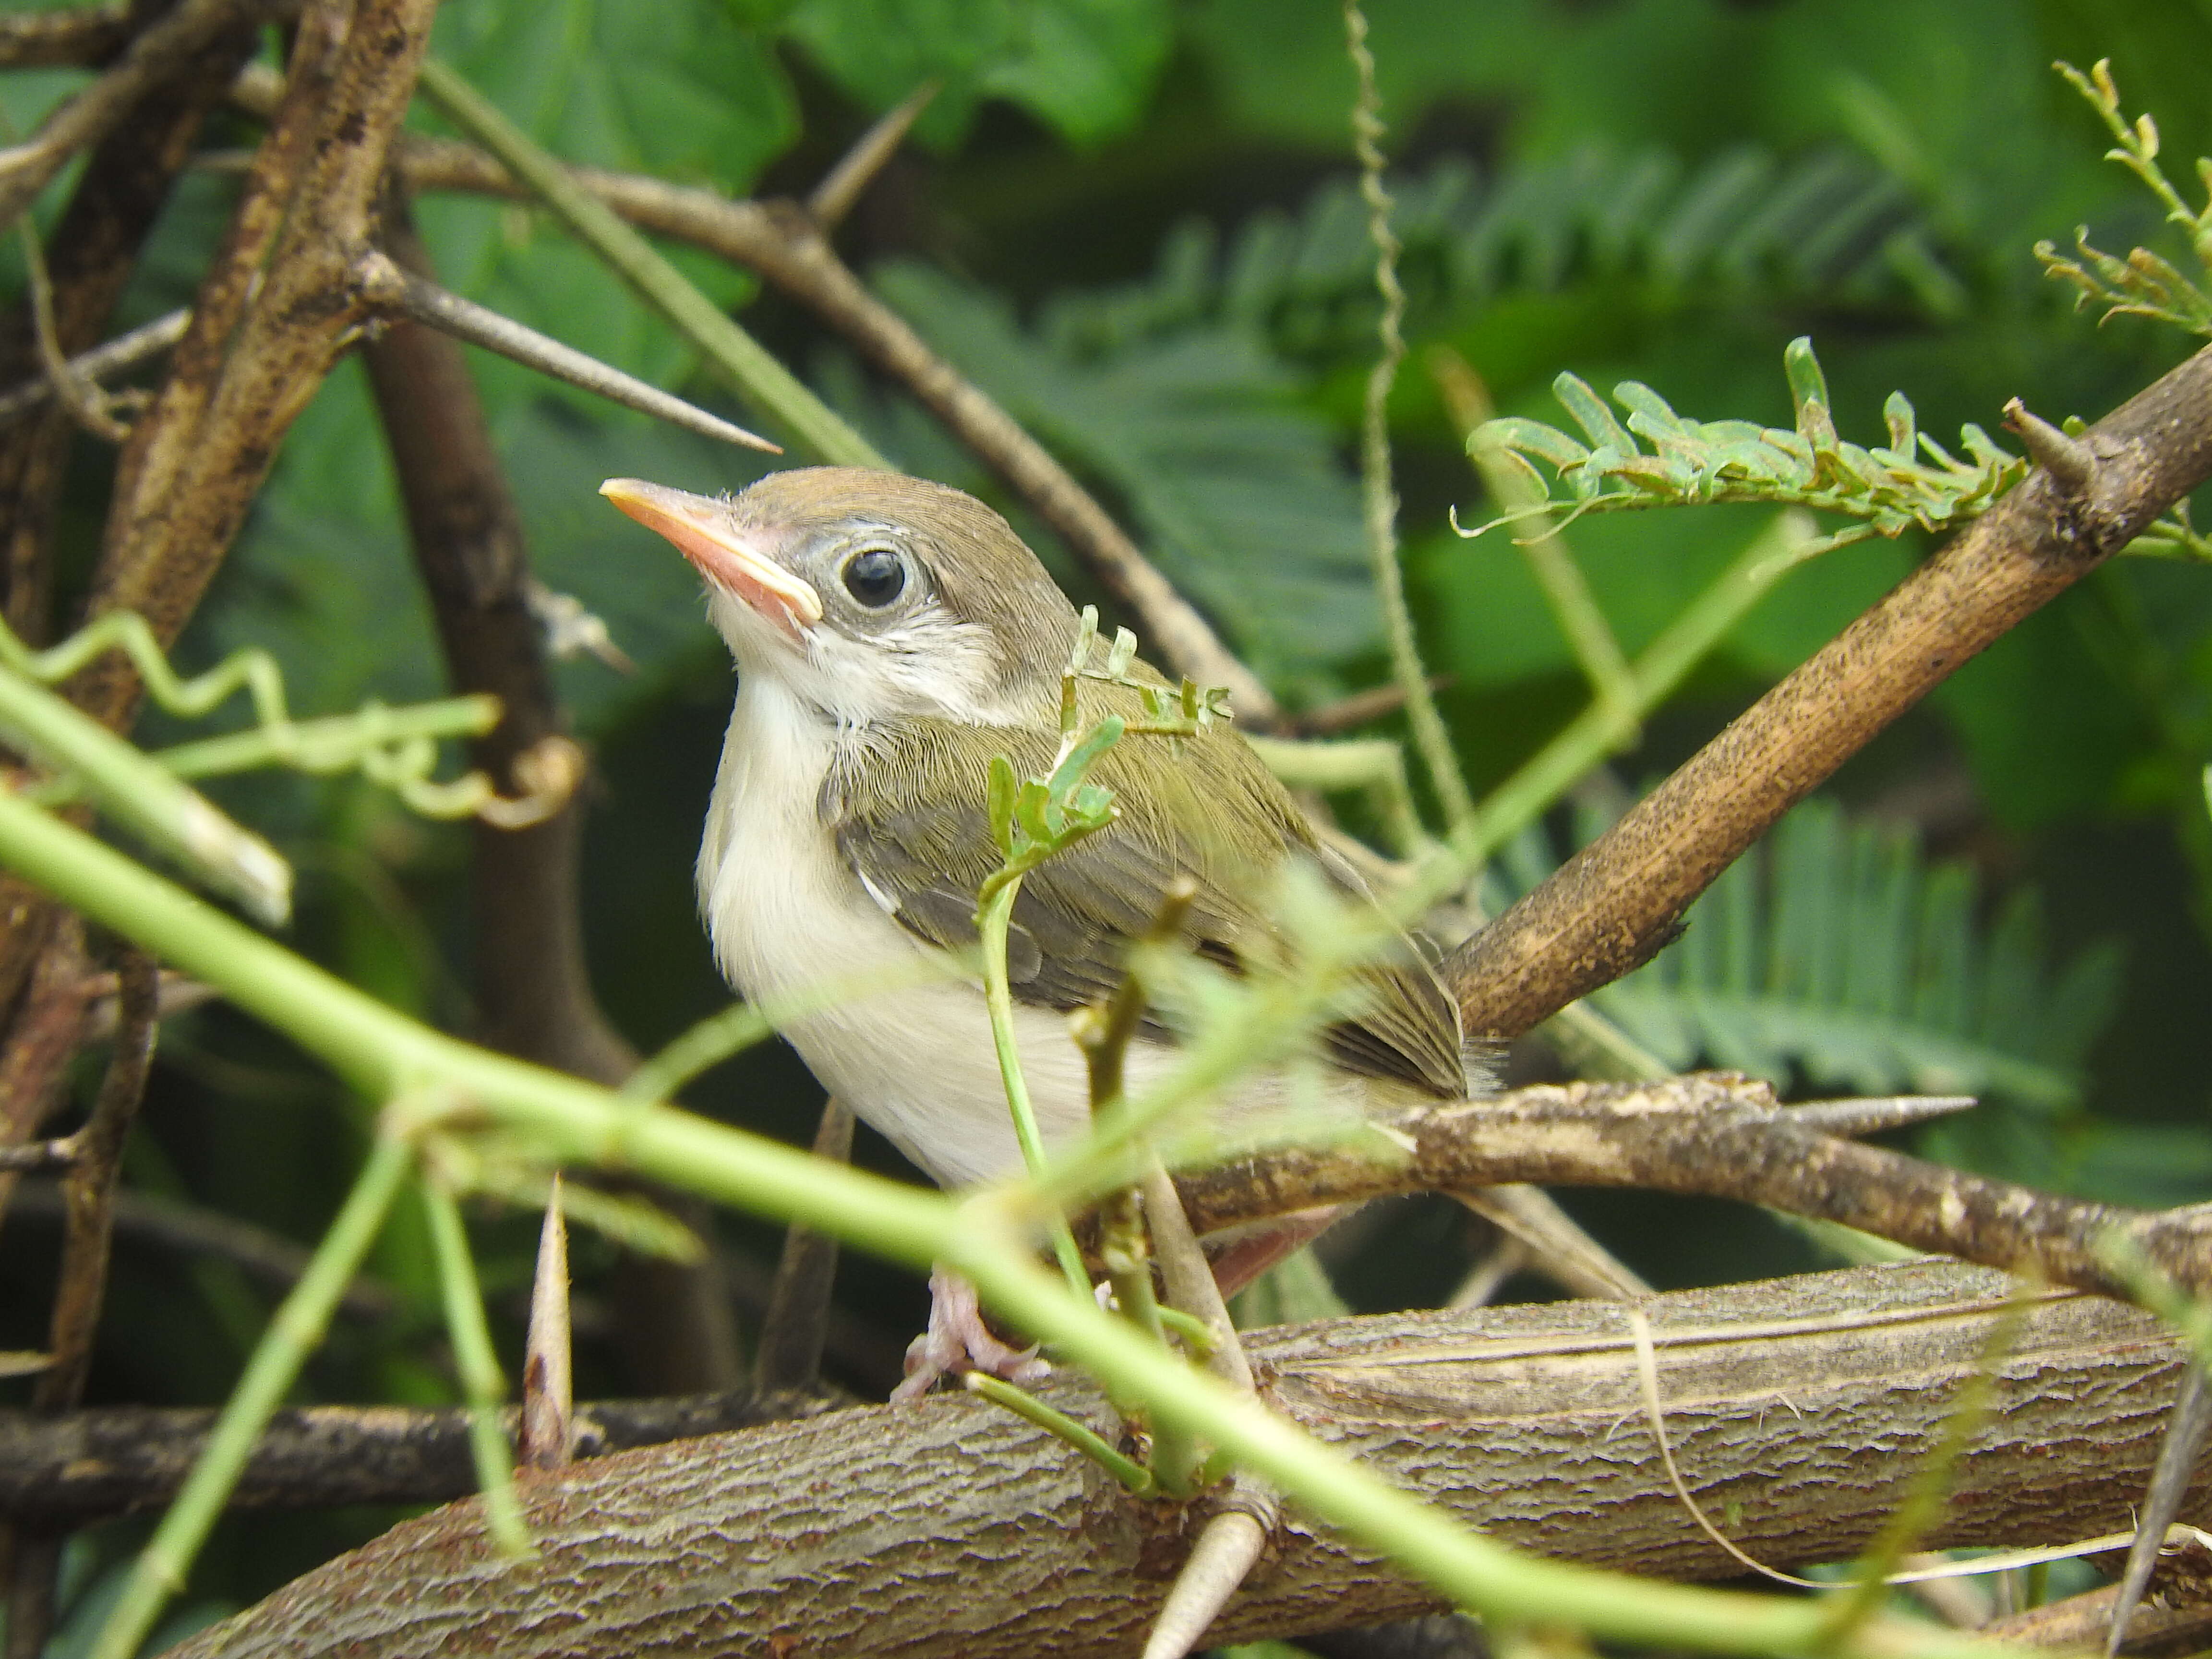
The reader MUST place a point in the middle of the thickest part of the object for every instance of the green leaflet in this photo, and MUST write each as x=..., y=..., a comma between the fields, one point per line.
x=1660, y=458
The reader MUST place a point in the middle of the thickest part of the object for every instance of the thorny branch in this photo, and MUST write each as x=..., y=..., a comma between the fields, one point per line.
x=782, y=242
x=274, y=312
x=534, y=989
x=1622, y=898
x=1718, y=1135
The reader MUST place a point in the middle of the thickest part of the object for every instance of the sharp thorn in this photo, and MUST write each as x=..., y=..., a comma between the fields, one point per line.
x=546, y=1436
x=1852, y=1118
x=2069, y=461
x=1224, y=1555
x=2170, y=1479
x=393, y=292
x=833, y=198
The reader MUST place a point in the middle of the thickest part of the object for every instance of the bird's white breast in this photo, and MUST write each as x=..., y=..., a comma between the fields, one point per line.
x=791, y=923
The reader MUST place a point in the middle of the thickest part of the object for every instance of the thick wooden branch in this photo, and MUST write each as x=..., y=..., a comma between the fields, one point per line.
x=277, y=308
x=1798, y=1409
x=1622, y=898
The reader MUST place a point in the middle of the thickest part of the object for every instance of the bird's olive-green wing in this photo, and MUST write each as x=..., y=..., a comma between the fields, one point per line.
x=907, y=806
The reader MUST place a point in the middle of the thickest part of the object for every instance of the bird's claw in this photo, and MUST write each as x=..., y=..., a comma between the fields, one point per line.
x=957, y=1340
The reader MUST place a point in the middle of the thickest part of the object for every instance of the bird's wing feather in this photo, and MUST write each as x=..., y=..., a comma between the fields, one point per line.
x=1077, y=913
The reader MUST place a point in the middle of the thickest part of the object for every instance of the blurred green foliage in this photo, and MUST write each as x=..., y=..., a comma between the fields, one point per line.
x=1133, y=223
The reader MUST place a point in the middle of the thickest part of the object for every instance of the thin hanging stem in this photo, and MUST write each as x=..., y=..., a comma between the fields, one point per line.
x=1378, y=492
x=481, y=1381
x=993, y=919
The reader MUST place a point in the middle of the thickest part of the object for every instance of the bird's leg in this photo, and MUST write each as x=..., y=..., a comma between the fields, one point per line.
x=958, y=1341
x=1238, y=1257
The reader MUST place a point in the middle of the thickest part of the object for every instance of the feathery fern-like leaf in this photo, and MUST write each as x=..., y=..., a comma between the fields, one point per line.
x=1823, y=224
x=1837, y=955
x=1912, y=481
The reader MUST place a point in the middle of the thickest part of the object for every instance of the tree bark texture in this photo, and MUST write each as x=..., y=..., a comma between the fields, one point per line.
x=1798, y=1409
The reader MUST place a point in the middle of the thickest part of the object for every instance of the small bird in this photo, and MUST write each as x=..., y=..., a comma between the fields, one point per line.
x=891, y=636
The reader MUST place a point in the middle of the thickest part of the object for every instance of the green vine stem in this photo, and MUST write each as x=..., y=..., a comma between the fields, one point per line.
x=481, y=1381
x=737, y=1027
x=1103, y=1034
x=764, y=381
x=1375, y=766
x=1593, y=735
x=397, y=748
x=166, y=813
x=1133, y=1475
x=336, y=742
x=1379, y=494
x=569, y=1120
x=993, y=918
x=158, y=1572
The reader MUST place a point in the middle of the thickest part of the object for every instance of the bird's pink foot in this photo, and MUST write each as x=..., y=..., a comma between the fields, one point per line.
x=958, y=1341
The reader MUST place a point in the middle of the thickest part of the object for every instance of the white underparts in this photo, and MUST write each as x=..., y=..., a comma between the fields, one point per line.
x=787, y=918
x=790, y=920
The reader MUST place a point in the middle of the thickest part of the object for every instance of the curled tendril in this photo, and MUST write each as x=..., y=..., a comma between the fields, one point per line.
x=396, y=748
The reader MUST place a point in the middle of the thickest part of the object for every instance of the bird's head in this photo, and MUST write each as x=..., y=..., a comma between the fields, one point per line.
x=871, y=595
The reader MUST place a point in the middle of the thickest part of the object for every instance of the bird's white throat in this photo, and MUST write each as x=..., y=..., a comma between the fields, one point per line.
x=791, y=924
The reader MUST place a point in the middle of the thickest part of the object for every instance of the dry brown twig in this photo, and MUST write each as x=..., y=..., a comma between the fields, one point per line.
x=94, y=1168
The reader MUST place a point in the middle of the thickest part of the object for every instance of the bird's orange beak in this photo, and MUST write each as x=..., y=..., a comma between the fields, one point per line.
x=724, y=556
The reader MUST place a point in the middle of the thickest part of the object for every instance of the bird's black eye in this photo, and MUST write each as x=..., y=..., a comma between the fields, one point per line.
x=875, y=576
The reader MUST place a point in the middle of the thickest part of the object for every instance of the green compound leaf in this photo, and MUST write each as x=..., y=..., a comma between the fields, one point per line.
x=1913, y=482
x=1839, y=955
